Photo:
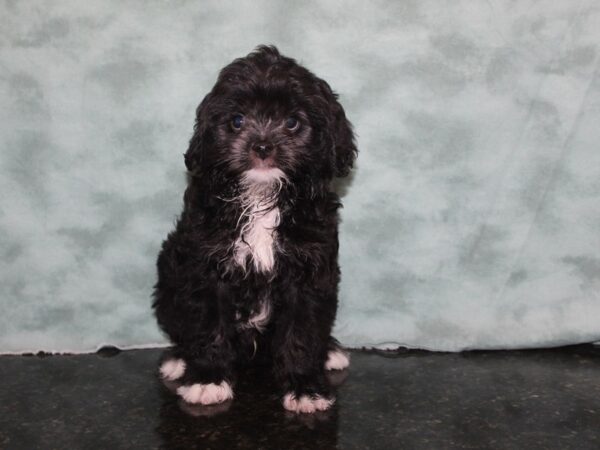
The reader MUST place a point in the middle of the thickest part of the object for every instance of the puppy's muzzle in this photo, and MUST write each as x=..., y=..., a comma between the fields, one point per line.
x=262, y=150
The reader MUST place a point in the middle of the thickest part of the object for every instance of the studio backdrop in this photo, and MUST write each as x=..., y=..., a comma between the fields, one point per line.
x=472, y=219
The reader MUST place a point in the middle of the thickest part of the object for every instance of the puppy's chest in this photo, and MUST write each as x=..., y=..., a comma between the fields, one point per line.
x=254, y=248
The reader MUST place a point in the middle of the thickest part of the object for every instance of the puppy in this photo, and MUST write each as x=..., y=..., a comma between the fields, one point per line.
x=252, y=263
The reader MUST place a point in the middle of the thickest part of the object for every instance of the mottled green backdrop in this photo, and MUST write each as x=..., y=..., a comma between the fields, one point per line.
x=472, y=220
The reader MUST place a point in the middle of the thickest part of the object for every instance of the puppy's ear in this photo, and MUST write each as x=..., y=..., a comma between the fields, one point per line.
x=201, y=139
x=340, y=133
x=345, y=147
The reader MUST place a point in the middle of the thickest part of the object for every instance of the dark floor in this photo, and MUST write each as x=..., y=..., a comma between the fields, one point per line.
x=412, y=400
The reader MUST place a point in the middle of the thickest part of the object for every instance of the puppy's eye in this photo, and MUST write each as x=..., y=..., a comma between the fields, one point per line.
x=237, y=121
x=292, y=123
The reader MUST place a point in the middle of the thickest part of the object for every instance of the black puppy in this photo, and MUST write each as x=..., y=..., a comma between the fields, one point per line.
x=252, y=262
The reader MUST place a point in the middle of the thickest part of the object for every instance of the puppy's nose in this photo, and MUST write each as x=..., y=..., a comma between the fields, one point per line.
x=262, y=149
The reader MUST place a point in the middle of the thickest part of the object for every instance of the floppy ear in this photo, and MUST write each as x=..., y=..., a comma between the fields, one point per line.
x=201, y=139
x=344, y=145
x=340, y=133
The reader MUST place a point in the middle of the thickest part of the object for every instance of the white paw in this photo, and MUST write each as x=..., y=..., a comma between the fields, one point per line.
x=337, y=360
x=306, y=404
x=172, y=369
x=206, y=394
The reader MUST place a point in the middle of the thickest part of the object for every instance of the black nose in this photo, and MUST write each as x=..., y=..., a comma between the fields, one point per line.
x=262, y=150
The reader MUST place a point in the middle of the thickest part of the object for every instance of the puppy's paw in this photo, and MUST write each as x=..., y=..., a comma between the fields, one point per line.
x=305, y=403
x=206, y=394
x=337, y=360
x=172, y=369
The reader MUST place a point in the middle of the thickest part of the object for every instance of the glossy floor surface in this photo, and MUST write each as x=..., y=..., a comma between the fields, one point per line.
x=411, y=400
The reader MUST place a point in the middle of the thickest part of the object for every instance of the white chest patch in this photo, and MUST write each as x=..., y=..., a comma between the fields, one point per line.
x=257, y=237
x=259, y=218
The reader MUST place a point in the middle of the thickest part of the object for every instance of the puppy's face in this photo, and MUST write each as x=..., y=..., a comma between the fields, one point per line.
x=268, y=118
x=265, y=136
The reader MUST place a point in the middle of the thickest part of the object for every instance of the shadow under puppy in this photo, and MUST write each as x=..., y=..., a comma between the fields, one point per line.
x=253, y=258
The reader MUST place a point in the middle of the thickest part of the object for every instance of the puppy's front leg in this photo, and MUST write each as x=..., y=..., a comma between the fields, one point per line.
x=300, y=346
x=199, y=321
x=208, y=369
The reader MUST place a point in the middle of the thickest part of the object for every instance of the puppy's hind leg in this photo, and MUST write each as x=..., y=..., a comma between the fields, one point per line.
x=337, y=357
x=172, y=366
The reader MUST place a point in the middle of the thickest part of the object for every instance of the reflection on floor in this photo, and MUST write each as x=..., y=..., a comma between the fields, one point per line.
x=519, y=399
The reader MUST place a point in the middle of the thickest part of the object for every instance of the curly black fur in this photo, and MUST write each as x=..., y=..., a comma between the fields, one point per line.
x=206, y=296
